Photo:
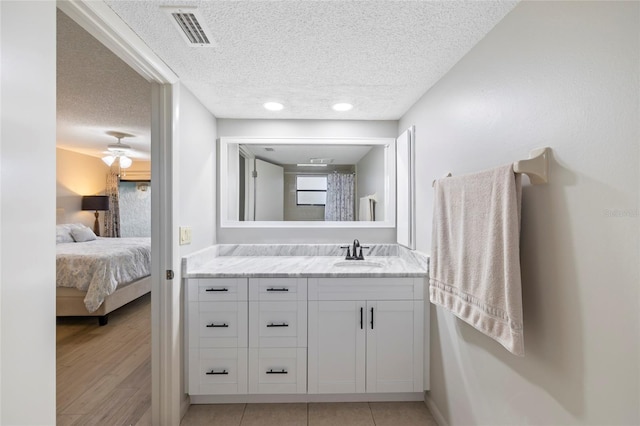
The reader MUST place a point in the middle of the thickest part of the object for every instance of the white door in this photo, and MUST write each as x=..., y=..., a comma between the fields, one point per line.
x=336, y=352
x=394, y=346
x=269, y=189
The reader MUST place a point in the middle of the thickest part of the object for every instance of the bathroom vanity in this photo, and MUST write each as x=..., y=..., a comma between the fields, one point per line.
x=295, y=323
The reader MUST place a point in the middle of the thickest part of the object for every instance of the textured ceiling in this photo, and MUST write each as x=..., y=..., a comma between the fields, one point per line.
x=294, y=154
x=97, y=92
x=381, y=56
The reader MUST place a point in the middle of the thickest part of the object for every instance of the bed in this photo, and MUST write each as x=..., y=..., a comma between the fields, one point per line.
x=95, y=276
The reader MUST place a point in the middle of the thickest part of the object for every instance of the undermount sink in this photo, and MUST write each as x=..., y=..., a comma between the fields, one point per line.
x=358, y=263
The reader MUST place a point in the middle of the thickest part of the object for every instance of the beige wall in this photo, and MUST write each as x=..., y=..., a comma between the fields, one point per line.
x=564, y=75
x=78, y=175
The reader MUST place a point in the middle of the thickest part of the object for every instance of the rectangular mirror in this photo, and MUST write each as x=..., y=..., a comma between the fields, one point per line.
x=307, y=182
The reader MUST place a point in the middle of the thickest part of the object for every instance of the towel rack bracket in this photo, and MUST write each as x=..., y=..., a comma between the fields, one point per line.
x=536, y=167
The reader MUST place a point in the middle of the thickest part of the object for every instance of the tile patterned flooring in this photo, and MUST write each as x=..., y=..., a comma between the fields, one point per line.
x=312, y=414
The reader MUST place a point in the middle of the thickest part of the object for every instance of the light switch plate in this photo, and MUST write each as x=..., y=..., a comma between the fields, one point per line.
x=185, y=235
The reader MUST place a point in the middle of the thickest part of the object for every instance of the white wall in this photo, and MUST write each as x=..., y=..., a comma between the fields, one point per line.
x=369, y=179
x=564, y=75
x=197, y=152
x=305, y=128
x=194, y=168
x=27, y=214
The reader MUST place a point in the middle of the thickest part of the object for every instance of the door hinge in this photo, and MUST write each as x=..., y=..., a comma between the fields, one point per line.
x=170, y=274
x=254, y=173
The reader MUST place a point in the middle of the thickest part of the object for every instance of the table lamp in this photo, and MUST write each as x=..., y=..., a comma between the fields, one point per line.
x=96, y=203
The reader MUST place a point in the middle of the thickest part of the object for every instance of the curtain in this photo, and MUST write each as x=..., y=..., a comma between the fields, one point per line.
x=112, y=216
x=340, y=197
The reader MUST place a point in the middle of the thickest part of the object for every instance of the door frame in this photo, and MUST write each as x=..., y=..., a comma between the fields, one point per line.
x=167, y=401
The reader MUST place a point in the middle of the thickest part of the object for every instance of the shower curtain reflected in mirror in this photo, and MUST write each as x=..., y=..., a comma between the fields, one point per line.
x=340, y=197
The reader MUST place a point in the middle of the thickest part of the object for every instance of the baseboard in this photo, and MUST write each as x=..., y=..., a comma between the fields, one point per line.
x=287, y=398
x=184, y=406
x=431, y=405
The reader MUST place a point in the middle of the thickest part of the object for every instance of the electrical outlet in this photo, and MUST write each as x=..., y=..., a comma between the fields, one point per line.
x=185, y=235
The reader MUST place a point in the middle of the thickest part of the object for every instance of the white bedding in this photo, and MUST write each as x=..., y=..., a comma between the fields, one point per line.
x=98, y=266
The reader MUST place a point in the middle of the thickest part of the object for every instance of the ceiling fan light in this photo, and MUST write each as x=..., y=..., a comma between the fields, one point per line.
x=108, y=160
x=125, y=162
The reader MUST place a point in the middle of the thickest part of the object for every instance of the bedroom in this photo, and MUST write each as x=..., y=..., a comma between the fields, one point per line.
x=97, y=91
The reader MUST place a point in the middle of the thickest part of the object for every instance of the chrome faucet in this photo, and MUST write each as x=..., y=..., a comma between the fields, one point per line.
x=355, y=255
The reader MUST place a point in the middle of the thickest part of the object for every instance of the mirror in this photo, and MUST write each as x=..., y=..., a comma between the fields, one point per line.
x=307, y=182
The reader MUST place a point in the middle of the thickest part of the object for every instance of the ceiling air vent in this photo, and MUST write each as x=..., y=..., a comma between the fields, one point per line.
x=190, y=25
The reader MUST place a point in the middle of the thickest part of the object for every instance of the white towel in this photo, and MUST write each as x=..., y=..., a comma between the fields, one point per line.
x=366, y=209
x=475, y=255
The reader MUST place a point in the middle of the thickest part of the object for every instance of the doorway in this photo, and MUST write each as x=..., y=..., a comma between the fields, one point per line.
x=102, y=23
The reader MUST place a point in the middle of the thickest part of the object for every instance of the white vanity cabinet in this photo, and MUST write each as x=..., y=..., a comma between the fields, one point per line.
x=365, y=335
x=217, y=335
x=277, y=335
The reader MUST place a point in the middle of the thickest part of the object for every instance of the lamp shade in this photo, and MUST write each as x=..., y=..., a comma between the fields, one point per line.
x=95, y=202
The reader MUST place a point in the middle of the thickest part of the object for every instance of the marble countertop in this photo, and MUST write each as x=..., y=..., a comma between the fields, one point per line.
x=277, y=264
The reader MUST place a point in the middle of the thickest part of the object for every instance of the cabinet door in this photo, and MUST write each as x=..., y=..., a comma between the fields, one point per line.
x=336, y=354
x=394, y=346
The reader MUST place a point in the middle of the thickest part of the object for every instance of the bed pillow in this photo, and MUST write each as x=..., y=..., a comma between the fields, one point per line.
x=80, y=235
x=63, y=235
x=63, y=232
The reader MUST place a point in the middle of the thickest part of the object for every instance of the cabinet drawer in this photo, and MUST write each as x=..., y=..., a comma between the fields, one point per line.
x=218, y=324
x=278, y=289
x=277, y=370
x=218, y=289
x=219, y=371
x=278, y=324
x=366, y=288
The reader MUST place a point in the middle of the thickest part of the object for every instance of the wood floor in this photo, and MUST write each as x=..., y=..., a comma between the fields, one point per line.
x=104, y=373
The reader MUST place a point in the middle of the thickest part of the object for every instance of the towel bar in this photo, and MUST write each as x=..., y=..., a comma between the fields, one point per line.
x=536, y=167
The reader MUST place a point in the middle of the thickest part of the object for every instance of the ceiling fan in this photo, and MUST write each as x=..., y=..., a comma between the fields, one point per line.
x=118, y=151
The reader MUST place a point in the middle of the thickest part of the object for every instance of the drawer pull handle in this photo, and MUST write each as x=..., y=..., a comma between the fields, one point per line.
x=217, y=289
x=277, y=289
x=214, y=325
x=283, y=324
x=216, y=373
x=283, y=371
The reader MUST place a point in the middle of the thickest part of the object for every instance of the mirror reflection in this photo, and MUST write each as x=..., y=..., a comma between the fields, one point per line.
x=307, y=182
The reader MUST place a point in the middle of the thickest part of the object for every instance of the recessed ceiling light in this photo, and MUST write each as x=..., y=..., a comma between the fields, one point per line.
x=273, y=106
x=342, y=107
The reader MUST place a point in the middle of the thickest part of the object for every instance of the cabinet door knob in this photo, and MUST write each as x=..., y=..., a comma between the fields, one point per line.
x=283, y=324
x=272, y=371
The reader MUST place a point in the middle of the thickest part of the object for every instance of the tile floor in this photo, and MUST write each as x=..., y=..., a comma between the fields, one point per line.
x=312, y=414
